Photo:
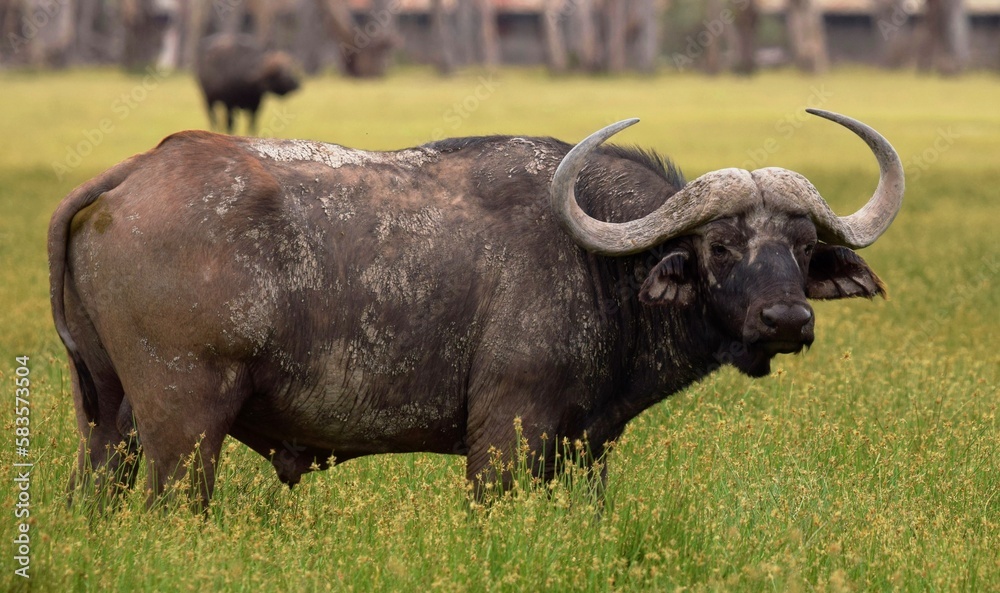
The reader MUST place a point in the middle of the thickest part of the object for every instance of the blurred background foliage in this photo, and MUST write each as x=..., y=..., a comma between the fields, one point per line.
x=364, y=38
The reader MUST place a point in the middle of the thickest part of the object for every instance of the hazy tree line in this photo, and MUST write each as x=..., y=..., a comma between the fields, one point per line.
x=576, y=35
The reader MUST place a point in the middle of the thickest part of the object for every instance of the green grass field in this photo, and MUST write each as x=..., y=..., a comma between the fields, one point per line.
x=868, y=463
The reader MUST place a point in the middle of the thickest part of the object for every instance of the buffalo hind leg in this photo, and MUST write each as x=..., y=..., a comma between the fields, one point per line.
x=182, y=419
x=183, y=463
x=108, y=457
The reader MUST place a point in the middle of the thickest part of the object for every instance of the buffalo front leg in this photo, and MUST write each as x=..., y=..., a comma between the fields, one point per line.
x=494, y=470
x=518, y=455
x=515, y=443
x=510, y=443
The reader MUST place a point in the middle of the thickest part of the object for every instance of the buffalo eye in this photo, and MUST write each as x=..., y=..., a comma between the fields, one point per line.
x=719, y=251
x=808, y=249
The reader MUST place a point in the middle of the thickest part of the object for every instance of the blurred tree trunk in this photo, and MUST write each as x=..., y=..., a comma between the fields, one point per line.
x=957, y=42
x=145, y=26
x=195, y=16
x=231, y=15
x=310, y=37
x=277, y=23
x=713, y=49
x=47, y=32
x=13, y=43
x=892, y=32
x=943, y=37
x=465, y=32
x=363, y=55
x=87, y=13
x=169, y=13
x=616, y=23
x=475, y=37
x=339, y=20
x=488, y=37
x=443, y=34
x=646, y=23
x=263, y=13
x=929, y=33
x=807, y=33
x=555, y=49
x=746, y=38
x=583, y=35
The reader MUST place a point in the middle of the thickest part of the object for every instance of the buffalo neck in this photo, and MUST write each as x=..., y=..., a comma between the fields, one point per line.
x=658, y=350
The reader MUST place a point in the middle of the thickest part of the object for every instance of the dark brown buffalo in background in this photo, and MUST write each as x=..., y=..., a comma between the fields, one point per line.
x=236, y=71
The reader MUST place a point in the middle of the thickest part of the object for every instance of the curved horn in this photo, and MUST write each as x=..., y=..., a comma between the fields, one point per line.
x=592, y=234
x=697, y=203
x=862, y=228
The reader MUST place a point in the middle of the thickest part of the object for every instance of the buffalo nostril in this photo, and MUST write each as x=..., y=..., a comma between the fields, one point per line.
x=770, y=315
x=786, y=316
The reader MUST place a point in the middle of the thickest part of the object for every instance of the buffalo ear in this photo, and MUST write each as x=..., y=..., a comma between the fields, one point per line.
x=669, y=282
x=839, y=273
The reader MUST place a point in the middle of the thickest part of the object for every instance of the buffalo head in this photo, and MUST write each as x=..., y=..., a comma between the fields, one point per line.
x=745, y=249
x=279, y=73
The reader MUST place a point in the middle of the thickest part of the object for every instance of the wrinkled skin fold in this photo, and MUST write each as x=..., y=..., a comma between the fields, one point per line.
x=313, y=300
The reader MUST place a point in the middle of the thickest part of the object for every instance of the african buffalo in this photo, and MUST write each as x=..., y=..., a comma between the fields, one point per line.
x=315, y=300
x=234, y=70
